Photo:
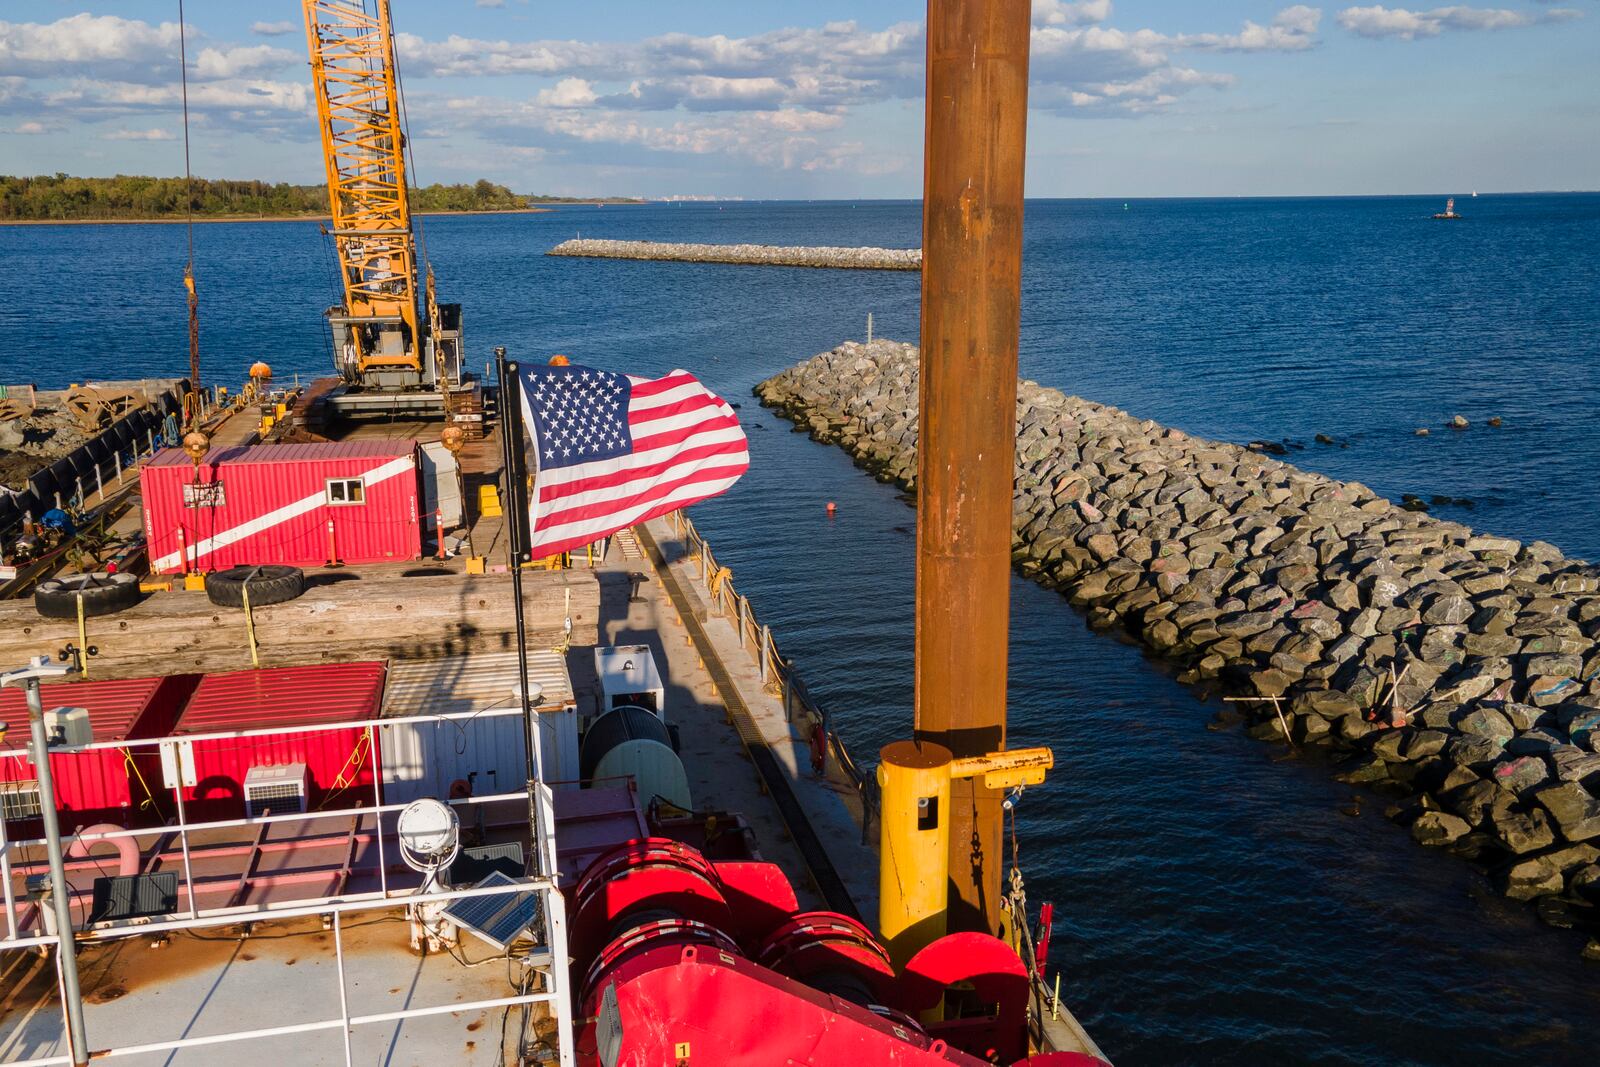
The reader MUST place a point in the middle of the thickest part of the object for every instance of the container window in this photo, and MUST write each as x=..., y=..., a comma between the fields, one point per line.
x=346, y=491
x=19, y=800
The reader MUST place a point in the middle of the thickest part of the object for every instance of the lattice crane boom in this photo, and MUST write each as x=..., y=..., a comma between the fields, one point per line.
x=363, y=147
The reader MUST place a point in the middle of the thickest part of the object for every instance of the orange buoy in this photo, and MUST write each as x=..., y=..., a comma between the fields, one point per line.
x=832, y=507
x=558, y=360
x=261, y=371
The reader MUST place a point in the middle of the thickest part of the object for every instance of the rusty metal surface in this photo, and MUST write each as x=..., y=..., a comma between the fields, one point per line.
x=971, y=292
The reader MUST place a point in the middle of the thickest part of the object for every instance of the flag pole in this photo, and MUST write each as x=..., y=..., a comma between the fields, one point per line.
x=516, y=475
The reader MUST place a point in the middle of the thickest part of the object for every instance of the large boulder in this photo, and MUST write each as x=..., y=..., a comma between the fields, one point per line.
x=1530, y=878
x=1520, y=774
x=1522, y=832
x=1572, y=809
x=1439, y=828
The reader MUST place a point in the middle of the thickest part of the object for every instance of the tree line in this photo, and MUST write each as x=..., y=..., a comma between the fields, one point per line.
x=63, y=197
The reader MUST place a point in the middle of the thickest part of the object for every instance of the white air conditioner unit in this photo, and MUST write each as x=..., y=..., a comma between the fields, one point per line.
x=19, y=800
x=68, y=727
x=281, y=790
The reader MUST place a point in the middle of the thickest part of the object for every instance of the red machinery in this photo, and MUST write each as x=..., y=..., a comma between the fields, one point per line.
x=689, y=962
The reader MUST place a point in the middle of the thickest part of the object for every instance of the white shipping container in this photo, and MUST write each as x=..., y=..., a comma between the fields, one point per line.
x=421, y=759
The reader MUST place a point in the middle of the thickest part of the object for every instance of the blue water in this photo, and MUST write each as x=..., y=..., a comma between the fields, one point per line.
x=1214, y=906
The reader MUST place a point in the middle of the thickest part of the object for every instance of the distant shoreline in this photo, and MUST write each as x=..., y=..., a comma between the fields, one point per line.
x=322, y=217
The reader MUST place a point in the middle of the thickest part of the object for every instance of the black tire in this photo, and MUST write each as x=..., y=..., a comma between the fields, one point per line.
x=269, y=584
x=103, y=594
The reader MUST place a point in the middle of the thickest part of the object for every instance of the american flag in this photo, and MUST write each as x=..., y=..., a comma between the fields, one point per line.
x=613, y=450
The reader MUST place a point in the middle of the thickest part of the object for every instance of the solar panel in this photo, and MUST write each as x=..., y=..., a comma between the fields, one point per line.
x=136, y=896
x=498, y=918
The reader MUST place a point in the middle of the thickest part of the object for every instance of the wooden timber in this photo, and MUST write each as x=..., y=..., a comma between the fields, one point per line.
x=338, y=619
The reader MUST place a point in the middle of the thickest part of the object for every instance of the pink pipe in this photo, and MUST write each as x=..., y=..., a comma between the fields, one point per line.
x=127, y=851
x=212, y=851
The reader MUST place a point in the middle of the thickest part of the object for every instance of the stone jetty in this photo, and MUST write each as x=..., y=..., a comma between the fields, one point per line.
x=756, y=255
x=1456, y=671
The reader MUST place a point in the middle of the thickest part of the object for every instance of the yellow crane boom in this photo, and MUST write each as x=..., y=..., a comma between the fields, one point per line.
x=363, y=147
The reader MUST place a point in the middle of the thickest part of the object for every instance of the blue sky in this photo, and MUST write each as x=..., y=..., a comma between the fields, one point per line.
x=766, y=99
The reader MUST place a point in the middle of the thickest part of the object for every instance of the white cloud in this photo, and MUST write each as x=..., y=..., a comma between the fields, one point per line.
x=1380, y=21
x=155, y=134
x=220, y=64
x=109, y=42
x=569, y=92
x=491, y=3
x=1300, y=17
x=116, y=49
x=272, y=109
x=782, y=98
x=1070, y=12
x=29, y=129
x=1291, y=30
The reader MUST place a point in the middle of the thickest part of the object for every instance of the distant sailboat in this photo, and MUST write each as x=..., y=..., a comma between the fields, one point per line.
x=1449, y=211
x=1474, y=194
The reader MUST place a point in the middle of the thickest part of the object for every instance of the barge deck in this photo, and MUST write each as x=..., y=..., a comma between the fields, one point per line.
x=256, y=896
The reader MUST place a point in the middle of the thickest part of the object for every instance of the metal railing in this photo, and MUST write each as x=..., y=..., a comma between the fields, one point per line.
x=175, y=842
x=778, y=675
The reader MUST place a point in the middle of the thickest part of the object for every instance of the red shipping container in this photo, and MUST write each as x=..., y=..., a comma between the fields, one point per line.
x=340, y=762
x=302, y=505
x=101, y=785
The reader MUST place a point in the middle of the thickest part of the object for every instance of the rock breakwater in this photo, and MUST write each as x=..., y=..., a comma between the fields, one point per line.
x=1457, y=670
x=755, y=255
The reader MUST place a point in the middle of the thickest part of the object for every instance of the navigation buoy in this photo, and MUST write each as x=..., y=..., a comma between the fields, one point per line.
x=558, y=360
x=832, y=508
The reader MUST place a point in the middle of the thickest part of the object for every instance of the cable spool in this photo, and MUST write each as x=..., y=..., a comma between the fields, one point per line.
x=657, y=877
x=832, y=953
x=653, y=933
x=633, y=742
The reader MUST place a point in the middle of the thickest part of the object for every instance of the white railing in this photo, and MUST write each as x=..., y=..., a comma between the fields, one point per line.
x=550, y=962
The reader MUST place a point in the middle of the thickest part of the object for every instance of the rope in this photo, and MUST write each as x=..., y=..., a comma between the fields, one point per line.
x=83, y=636
x=357, y=760
x=183, y=81
x=250, y=621
x=1016, y=902
x=149, y=800
x=410, y=155
x=188, y=183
